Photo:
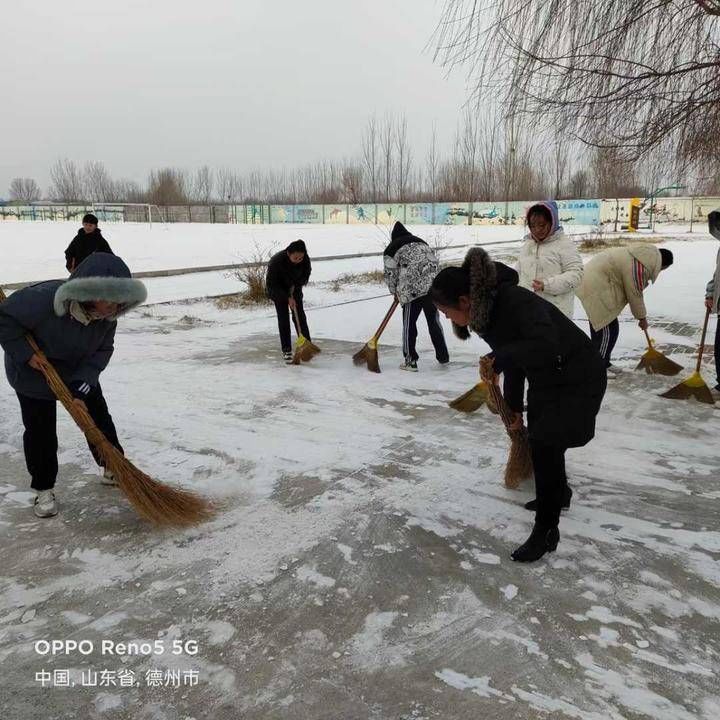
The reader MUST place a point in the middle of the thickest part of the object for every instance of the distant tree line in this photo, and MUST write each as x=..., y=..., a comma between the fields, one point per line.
x=489, y=159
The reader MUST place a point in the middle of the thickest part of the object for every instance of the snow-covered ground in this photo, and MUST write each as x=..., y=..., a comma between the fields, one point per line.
x=37, y=248
x=358, y=566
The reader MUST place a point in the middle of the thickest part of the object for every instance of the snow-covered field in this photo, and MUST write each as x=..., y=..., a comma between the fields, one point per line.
x=38, y=247
x=359, y=564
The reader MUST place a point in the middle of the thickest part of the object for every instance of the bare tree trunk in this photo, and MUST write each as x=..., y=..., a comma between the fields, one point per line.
x=387, y=135
x=404, y=158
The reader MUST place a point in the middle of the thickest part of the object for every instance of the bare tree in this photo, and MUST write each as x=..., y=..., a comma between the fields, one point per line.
x=129, y=191
x=203, y=184
x=352, y=182
x=432, y=164
x=614, y=175
x=404, y=158
x=488, y=149
x=387, y=147
x=559, y=159
x=167, y=186
x=579, y=184
x=24, y=190
x=98, y=186
x=629, y=75
x=370, y=157
x=66, y=181
x=229, y=185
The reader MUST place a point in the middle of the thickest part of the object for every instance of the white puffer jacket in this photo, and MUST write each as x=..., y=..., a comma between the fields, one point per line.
x=557, y=262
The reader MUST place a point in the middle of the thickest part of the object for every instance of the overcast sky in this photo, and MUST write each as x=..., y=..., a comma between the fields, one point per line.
x=244, y=83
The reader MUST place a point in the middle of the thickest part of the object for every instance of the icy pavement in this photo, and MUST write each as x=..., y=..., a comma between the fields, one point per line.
x=358, y=567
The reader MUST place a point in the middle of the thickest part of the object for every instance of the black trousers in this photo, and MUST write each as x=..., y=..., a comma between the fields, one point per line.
x=604, y=340
x=411, y=313
x=40, y=437
x=550, y=482
x=283, y=315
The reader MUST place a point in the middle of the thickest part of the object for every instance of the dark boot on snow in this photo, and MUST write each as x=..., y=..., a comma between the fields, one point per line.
x=541, y=540
x=567, y=497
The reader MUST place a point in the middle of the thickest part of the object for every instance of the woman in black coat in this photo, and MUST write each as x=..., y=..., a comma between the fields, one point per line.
x=287, y=273
x=530, y=337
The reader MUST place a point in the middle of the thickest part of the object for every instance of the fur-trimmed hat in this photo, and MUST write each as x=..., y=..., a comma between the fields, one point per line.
x=479, y=277
x=483, y=282
x=101, y=276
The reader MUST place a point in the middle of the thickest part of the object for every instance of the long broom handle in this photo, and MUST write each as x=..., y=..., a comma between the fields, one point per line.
x=649, y=341
x=295, y=321
x=386, y=319
x=702, y=340
x=488, y=375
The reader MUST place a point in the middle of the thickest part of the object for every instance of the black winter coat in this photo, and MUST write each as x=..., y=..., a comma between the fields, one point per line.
x=85, y=244
x=532, y=339
x=283, y=275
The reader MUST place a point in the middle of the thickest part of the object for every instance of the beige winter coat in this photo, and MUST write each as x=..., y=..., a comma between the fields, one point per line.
x=612, y=280
x=557, y=262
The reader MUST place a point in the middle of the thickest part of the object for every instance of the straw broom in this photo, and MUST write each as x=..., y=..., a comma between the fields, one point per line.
x=368, y=354
x=655, y=363
x=472, y=400
x=694, y=386
x=519, y=465
x=305, y=350
x=158, y=503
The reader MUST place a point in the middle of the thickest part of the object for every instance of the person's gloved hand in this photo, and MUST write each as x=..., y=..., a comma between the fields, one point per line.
x=80, y=389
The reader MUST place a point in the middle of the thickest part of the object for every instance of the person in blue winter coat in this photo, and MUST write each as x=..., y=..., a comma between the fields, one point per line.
x=73, y=323
x=410, y=266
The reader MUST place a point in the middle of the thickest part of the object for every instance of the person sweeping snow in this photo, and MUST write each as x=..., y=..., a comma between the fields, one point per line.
x=410, y=266
x=712, y=293
x=613, y=279
x=549, y=263
x=88, y=240
x=287, y=273
x=530, y=338
x=73, y=323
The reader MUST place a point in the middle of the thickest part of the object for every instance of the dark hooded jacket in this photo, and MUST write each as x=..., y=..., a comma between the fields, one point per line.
x=78, y=352
x=410, y=265
x=532, y=339
x=85, y=244
x=284, y=276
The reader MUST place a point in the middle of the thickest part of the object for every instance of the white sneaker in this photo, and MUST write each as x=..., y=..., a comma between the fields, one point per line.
x=108, y=478
x=410, y=367
x=288, y=358
x=45, y=504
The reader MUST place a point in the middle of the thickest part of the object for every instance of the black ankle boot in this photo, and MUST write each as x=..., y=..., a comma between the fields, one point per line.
x=541, y=540
x=567, y=497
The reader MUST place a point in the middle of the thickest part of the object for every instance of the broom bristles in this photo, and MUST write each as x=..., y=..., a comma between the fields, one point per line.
x=305, y=351
x=360, y=357
x=158, y=503
x=373, y=361
x=519, y=465
x=693, y=387
x=368, y=355
x=655, y=363
x=472, y=400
